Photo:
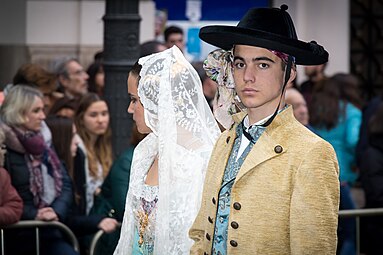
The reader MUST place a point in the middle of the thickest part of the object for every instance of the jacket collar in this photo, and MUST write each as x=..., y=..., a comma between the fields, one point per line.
x=268, y=145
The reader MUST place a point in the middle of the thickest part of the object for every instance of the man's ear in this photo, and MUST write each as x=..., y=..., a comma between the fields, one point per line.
x=293, y=74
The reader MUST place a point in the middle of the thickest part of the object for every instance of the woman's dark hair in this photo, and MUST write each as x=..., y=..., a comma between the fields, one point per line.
x=349, y=89
x=92, y=71
x=63, y=103
x=136, y=69
x=62, y=134
x=325, y=109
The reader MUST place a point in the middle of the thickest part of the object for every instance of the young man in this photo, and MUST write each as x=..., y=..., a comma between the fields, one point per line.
x=272, y=185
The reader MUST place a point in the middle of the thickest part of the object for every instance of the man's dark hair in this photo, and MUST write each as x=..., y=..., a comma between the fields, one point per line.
x=172, y=30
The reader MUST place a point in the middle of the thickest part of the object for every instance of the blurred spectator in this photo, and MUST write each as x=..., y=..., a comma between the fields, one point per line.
x=335, y=116
x=209, y=86
x=371, y=169
x=72, y=78
x=296, y=100
x=65, y=139
x=35, y=76
x=96, y=81
x=151, y=47
x=36, y=173
x=174, y=35
x=94, y=156
x=64, y=107
x=368, y=111
x=314, y=74
x=11, y=205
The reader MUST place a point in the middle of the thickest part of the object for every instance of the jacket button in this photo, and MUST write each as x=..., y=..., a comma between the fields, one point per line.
x=213, y=200
x=208, y=236
x=234, y=225
x=233, y=243
x=237, y=206
x=228, y=139
x=278, y=149
x=210, y=219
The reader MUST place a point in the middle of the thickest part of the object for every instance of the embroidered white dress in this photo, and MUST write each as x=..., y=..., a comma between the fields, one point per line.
x=184, y=133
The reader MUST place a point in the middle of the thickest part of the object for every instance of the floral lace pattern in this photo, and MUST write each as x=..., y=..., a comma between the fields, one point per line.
x=184, y=133
x=226, y=103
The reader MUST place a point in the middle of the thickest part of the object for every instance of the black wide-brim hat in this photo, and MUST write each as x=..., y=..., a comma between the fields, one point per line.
x=270, y=28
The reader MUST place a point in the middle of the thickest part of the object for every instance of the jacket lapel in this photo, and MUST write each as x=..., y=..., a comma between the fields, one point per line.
x=265, y=148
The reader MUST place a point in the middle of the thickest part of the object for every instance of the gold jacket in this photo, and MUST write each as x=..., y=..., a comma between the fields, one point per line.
x=285, y=198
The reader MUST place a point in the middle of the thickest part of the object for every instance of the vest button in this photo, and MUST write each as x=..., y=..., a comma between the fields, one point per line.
x=213, y=200
x=237, y=206
x=233, y=243
x=278, y=149
x=210, y=219
x=234, y=225
x=208, y=236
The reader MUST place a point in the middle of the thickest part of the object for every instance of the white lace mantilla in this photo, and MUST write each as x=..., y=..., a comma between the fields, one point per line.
x=184, y=133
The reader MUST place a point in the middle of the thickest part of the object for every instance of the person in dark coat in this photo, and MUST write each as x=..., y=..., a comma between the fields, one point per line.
x=371, y=170
x=36, y=172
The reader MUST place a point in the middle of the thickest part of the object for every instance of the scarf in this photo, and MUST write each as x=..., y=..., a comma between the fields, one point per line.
x=37, y=156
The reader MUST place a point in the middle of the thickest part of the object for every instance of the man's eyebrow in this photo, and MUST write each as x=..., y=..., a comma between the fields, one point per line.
x=255, y=59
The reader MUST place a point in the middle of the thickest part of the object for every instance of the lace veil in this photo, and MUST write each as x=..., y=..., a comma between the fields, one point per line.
x=184, y=133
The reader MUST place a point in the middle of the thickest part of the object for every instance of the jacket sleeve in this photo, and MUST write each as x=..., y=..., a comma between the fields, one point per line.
x=315, y=202
x=11, y=205
x=63, y=203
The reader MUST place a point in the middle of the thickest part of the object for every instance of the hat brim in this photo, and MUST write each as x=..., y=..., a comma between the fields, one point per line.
x=226, y=36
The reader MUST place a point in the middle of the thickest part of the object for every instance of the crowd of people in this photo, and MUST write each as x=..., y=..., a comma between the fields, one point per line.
x=227, y=156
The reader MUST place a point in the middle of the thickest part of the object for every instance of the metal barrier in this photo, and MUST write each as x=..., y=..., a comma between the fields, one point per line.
x=96, y=238
x=40, y=224
x=357, y=213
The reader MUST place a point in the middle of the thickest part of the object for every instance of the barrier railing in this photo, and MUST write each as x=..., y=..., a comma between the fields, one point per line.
x=95, y=239
x=37, y=225
x=357, y=213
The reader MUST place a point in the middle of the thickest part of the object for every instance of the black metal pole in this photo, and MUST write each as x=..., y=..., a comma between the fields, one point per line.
x=121, y=51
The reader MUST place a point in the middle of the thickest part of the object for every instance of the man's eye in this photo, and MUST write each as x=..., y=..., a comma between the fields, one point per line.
x=239, y=65
x=263, y=65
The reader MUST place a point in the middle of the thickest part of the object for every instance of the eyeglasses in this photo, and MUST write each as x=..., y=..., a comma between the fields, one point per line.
x=78, y=72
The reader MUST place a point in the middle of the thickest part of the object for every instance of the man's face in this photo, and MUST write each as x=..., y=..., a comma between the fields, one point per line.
x=258, y=77
x=77, y=82
x=176, y=39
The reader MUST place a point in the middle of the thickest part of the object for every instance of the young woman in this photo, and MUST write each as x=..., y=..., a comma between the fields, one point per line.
x=95, y=149
x=169, y=164
x=65, y=140
x=36, y=172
